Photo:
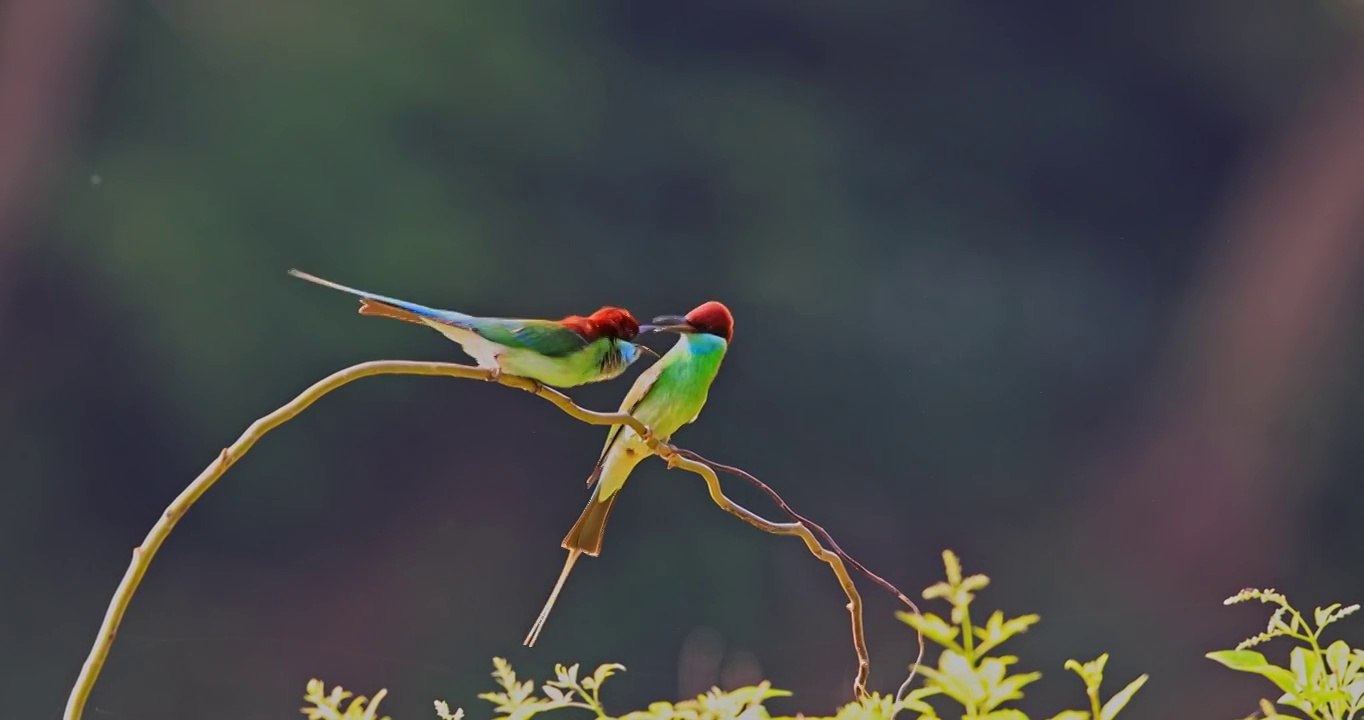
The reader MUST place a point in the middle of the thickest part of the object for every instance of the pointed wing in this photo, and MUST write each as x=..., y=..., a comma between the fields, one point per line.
x=547, y=337
x=640, y=390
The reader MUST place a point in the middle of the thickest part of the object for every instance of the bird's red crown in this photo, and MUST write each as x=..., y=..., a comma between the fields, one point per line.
x=608, y=322
x=714, y=318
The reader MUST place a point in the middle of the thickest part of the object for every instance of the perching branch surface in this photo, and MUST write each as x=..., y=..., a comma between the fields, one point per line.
x=143, y=554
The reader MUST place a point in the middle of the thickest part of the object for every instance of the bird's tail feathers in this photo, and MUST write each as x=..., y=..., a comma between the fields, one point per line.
x=584, y=539
x=383, y=306
x=553, y=596
x=376, y=308
x=586, y=534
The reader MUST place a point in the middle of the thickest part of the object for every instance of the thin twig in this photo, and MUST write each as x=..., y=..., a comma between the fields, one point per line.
x=833, y=545
x=678, y=458
x=143, y=554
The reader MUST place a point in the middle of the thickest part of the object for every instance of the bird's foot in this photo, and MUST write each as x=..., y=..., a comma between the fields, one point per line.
x=494, y=374
x=672, y=458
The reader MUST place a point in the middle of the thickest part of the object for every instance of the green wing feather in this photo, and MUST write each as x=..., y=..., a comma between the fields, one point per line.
x=547, y=337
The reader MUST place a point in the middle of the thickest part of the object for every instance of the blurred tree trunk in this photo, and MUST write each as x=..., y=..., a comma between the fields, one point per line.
x=1202, y=503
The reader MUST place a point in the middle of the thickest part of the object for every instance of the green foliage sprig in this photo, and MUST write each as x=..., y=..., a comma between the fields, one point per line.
x=980, y=682
x=517, y=700
x=323, y=705
x=1323, y=683
x=967, y=674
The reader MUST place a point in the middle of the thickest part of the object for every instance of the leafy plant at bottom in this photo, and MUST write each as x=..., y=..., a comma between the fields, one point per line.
x=518, y=700
x=967, y=673
x=1323, y=683
x=980, y=682
x=323, y=705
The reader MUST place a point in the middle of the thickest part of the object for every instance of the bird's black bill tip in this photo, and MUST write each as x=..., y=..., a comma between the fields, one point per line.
x=646, y=349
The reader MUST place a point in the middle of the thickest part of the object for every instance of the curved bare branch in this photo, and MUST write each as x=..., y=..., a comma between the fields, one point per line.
x=806, y=530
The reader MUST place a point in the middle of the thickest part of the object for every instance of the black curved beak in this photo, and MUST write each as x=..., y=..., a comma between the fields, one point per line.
x=645, y=348
x=668, y=323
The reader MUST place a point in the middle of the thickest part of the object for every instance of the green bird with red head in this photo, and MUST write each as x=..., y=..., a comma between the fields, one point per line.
x=665, y=397
x=563, y=353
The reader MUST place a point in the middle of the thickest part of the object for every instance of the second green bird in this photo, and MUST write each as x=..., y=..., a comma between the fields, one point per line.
x=665, y=397
x=564, y=353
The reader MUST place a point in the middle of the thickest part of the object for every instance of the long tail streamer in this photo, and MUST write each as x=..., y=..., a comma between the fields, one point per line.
x=554, y=595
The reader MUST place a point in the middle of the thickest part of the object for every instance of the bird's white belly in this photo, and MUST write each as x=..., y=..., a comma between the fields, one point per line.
x=627, y=452
x=482, y=350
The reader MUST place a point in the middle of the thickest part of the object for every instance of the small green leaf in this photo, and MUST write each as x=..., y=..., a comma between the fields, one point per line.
x=1338, y=658
x=914, y=700
x=1355, y=691
x=1020, y=624
x=959, y=669
x=996, y=630
x=974, y=583
x=938, y=590
x=1091, y=673
x=953, y=567
x=955, y=677
x=1009, y=688
x=1243, y=660
x=606, y=671
x=503, y=673
x=499, y=700
x=1070, y=715
x=1253, y=662
x=1271, y=713
x=566, y=676
x=1116, y=703
x=1306, y=667
x=443, y=711
x=1322, y=616
x=933, y=627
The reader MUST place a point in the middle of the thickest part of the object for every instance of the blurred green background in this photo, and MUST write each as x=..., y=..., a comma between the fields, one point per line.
x=1064, y=286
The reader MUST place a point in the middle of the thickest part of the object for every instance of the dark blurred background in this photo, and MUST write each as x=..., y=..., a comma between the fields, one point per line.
x=1068, y=287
